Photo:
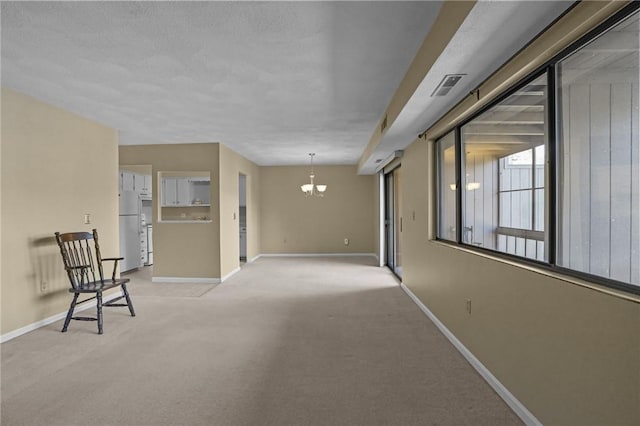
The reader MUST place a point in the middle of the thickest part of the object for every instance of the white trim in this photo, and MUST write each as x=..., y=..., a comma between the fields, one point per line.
x=316, y=254
x=381, y=219
x=226, y=277
x=521, y=411
x=57, y=317
x=189, y=280
x=253, y=259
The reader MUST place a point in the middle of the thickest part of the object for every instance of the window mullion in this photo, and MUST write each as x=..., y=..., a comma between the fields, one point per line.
x=533, y=186
x=459, y=183
x=551, y=211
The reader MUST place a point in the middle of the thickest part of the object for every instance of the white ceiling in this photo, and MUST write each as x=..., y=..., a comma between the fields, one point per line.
x=271, y=80
x=491, y=34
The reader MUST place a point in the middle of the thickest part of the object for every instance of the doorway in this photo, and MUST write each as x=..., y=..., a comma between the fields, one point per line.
x=242, y=213
x=393, y=220
x=135, y=214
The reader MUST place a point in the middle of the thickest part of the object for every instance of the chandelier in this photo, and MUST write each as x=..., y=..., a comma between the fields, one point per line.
x=311, y=188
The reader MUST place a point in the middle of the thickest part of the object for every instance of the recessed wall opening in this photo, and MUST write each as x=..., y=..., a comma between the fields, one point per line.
x=135, y=215
x=184, y=196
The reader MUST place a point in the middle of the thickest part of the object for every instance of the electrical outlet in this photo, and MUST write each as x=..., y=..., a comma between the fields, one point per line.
x=346, y=241
x=87, y=219
x=43, y=286
x=469, y=306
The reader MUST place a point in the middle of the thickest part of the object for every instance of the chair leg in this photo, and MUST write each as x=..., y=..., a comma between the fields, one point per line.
x=70, y=312
x=99, y=303
x=126, y=296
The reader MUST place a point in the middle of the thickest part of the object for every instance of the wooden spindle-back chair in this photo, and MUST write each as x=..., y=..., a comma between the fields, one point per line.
x=82, y=260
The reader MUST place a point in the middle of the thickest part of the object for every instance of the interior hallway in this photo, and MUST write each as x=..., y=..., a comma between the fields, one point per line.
x=286, y=341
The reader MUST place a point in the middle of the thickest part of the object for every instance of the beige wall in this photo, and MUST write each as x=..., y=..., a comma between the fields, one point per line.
x=567, y=351
x=189, y=250
x=231, y=166
x=292, y=223
x=56, y=166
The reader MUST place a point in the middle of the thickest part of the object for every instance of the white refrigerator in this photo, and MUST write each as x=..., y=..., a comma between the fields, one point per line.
x=129, y=230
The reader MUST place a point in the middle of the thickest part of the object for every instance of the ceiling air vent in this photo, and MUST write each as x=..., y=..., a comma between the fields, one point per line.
x=383, y=125
x=447, y=84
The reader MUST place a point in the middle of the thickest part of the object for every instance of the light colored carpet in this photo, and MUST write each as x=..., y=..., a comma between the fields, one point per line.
x=142, y=286
x=137, y=289
x=286, y=341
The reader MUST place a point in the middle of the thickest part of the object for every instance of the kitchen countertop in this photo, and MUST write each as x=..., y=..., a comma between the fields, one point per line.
x=185, y=221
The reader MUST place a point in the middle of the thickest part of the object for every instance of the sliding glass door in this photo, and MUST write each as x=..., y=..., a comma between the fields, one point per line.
x=393, y=221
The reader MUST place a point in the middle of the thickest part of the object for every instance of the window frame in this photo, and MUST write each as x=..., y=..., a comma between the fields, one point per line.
x=547, y=69
x=439, y=182
x=551, y=238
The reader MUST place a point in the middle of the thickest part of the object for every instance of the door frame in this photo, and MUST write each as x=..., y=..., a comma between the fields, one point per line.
x=391, y=220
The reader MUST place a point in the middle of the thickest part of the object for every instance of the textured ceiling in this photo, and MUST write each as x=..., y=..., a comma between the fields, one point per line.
x=271, y=80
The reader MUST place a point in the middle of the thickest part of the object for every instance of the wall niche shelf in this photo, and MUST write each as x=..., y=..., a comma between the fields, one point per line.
x=185, y=197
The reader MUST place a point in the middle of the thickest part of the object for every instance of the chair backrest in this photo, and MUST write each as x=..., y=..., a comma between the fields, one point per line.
x=81, y=256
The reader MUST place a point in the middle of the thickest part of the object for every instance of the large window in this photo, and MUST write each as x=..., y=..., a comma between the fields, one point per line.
x=551, y=171
x=504, y=174
x=599, y=162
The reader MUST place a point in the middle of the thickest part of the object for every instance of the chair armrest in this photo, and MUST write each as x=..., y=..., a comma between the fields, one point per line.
x=115, y=265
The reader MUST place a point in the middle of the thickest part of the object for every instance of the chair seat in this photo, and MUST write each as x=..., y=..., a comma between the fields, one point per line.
x=93, y=286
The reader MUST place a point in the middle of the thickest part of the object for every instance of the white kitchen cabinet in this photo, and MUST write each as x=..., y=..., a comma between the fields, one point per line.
x=148, y=184
x=144, y=256
x=136, y=182
x=183, y=193
x=142, y=184
x=127, y=179
x=169, y=192
x=175, y=192
x=149, y=245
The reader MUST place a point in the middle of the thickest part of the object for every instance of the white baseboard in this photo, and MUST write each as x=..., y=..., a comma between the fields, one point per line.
x=57, y=317
x=253, y=259
x=188, y=280
x=226, y=277
x=521, y=411
x=315, y=255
